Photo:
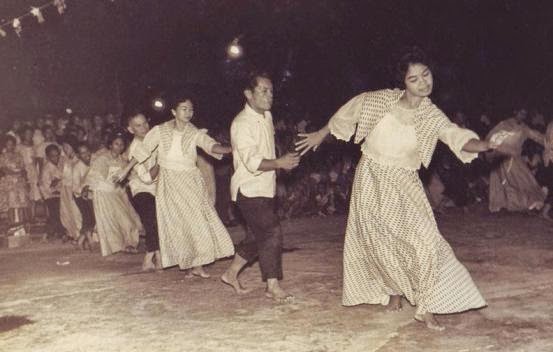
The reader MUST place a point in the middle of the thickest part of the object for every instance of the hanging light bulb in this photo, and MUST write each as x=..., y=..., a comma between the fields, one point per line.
x=235, y=50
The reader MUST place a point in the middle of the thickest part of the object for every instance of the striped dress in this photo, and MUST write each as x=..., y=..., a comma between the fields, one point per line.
x=190, y=232
x=117, y=223
x=392, y=242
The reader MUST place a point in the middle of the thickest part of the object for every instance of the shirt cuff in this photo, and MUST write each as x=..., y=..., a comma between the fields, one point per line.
x=253, y=165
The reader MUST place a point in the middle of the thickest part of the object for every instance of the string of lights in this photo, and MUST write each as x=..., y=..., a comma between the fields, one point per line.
x=36, y=11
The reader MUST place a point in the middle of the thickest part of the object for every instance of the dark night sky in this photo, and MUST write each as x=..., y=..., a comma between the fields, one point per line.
x=492, y=54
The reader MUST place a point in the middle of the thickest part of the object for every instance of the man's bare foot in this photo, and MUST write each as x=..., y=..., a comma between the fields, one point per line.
x=157, y=260
x=430, y=321
x=276, y=293
x=232, y=281
x=395, y=304
x=148, y=262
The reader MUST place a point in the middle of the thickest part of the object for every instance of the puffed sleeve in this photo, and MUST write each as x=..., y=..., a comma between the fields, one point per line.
x=342, y=124
x=98, y=172
x=144, y=149
x=456, y=137
x=245, y=147
x=204, y=141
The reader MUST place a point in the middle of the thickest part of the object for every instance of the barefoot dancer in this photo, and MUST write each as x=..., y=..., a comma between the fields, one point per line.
x=393, y=247
x=253, y=187
x=143, y=183
x=190, y=232
x=117, y=222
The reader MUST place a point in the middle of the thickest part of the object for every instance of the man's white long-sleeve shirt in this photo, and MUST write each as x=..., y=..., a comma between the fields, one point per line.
x=252, y=137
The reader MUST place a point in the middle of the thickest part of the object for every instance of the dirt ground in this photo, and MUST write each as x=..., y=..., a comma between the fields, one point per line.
x=55, y=298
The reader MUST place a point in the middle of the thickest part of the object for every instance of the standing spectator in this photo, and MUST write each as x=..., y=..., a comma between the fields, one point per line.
x=14, y=183
x=50, y=186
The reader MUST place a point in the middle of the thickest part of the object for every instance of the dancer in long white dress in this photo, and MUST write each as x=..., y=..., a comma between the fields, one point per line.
x=70, y=215
x=191, y=234
x=117, y=223
x=393, y=247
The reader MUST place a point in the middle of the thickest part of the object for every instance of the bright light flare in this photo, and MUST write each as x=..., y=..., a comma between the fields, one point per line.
x=158, y=104
x=234, y=50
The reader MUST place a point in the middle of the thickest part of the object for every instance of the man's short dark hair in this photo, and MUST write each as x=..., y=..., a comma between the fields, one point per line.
x=253, y=77
x=50, y=148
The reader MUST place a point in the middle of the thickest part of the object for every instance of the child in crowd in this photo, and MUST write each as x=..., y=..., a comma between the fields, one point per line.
x=50, y=186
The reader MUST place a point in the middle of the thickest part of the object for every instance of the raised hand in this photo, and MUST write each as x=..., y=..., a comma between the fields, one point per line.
x=310, y=141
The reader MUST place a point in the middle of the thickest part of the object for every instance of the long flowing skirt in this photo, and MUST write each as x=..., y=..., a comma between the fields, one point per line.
x=190, y=232
x=70, y=215
x=393, y=246
x=117, y=223
x=514, y=187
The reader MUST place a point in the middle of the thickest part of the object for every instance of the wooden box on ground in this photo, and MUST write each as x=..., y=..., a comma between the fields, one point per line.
x=16, y=237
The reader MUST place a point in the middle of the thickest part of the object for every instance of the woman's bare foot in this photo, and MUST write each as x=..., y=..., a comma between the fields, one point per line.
x=200, y=272
x=232, y=280
x=395, y=304
x=430, y=321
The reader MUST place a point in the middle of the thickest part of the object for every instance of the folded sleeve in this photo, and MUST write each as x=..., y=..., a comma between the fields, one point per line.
x=144, y=149
x=245, y=147
x=456, y=137
x=204, y=141
x=343, y=123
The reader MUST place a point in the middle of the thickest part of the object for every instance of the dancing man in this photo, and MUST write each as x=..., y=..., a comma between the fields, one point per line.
x=143, y=183
x=253, y=186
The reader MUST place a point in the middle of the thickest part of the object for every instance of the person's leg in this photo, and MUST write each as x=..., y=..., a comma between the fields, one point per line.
x=395, y=304
x=430, y=321
x=50, y=221
x=60, y=230
x=145, y=206
x=263, y=223
x=246, y=251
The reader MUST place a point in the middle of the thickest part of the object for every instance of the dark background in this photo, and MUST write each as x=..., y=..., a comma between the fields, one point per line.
x=113, y=56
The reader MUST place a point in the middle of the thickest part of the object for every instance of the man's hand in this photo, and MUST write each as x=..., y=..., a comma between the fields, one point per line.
x=288, y=161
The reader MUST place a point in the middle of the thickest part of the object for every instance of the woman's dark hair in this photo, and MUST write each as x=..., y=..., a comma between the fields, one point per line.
x=251, y=81
x=114, y=135
x=180, y=97
x=413, y=55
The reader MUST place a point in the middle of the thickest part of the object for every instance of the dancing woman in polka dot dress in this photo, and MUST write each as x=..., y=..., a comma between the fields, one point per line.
x=393, y=247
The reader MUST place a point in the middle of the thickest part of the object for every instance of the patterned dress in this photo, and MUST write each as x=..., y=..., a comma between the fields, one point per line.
x=392, y=243
x=512, y=184
x=13, y=183
x=117, y=223
x=190, y=232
